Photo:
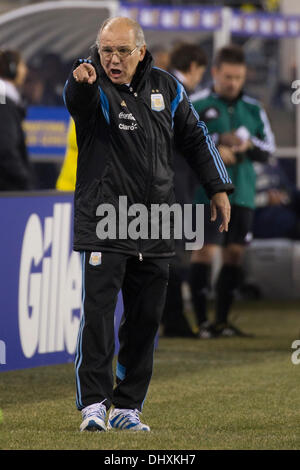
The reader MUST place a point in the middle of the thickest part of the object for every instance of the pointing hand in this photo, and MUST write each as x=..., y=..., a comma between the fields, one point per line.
x=85, y=73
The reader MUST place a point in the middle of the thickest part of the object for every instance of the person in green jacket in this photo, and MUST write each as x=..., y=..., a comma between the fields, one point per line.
x=240, y=129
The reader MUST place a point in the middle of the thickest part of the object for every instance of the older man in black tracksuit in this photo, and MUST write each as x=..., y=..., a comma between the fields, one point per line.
x=128, y=116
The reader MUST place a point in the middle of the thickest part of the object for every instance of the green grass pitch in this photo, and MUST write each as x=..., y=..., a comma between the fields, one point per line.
x=238, y=393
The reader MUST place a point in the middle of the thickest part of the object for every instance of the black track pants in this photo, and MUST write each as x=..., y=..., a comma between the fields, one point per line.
x=144, y=285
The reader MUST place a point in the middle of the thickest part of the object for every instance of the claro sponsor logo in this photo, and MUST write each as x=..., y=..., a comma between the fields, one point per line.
x=49, y=285
x=126, y=127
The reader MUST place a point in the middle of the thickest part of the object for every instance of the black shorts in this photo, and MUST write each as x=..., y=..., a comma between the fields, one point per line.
x=239, y=229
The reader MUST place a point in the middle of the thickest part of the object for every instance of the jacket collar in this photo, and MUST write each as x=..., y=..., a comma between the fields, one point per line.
x=226, y=100
x=11, y=91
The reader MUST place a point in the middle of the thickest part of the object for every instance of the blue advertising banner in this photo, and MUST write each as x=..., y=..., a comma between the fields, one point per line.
x=265, y=25
x=40, y=288
x=46, y=130
x=210, y=18
x=174, y=18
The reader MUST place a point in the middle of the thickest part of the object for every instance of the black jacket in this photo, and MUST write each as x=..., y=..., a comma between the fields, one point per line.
x=15, y=169
x=125, y=138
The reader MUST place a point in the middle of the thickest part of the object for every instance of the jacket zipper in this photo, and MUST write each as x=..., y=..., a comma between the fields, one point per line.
x=150, y=174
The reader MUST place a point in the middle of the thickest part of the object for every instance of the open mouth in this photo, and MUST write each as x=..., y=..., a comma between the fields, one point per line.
x=115, y=72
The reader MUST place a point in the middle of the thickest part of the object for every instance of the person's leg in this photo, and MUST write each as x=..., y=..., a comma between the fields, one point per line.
x=200, y=269
x=144, y=292
x=229, y=280
x=231, y=273
x=174, y=321
x=102, y=277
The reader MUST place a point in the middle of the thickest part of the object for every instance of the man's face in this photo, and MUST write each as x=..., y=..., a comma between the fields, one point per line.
x=229, y=79
x=121, y=37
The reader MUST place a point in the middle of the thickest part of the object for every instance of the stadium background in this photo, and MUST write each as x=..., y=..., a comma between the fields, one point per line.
x=40, y=276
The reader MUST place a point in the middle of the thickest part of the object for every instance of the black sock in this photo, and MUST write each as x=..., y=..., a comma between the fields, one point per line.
x=199, y=284
x=229, y=280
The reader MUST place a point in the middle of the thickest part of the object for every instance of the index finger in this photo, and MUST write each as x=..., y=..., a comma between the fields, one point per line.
x=225, y=213
x=86, y=65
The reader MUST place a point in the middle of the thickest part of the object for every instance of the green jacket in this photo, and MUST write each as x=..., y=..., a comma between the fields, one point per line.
x=222, y=116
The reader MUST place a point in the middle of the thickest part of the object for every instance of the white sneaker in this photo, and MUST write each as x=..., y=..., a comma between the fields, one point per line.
x=126, y=419
x=93, y=418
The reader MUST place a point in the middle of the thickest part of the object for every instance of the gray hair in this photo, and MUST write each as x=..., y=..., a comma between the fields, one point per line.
x=138, y=32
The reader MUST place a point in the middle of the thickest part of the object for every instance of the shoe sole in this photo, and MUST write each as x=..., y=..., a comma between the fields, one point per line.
x=93, y=425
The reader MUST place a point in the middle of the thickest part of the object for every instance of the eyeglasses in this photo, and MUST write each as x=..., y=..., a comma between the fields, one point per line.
x=121, y=52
